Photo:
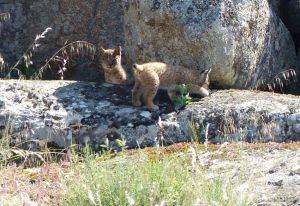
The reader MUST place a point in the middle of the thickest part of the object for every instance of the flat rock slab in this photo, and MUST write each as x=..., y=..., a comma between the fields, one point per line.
x=68, y=112
x=266, y=176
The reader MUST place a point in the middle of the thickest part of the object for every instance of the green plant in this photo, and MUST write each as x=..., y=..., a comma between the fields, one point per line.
x=183, y=98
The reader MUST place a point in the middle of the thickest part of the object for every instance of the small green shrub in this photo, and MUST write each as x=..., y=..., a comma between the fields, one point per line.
x=183, y=98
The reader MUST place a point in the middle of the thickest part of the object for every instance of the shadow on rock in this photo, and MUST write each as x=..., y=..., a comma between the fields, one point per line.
x=99, y=112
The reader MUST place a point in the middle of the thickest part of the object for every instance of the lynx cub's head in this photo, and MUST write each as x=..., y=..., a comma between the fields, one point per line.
x=111, y=63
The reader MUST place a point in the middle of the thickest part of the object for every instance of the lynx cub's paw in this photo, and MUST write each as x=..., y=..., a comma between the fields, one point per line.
x=136, y=103
x=154, y=108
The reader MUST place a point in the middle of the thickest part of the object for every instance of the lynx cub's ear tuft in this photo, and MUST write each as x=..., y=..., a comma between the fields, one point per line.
x=206, y=71
x=118, y=51
x=102, y=50
x=137, y=67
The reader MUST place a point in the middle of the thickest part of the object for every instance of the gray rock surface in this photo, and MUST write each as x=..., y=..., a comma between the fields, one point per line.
x=270, y=176
x=276, y=6
x=244, y=42
x=291, y=10
x=66, y=112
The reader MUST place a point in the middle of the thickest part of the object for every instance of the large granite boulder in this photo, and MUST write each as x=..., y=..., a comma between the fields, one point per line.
x=291, y=11
x=66, y=112
x=99, y=22
x=244, y=42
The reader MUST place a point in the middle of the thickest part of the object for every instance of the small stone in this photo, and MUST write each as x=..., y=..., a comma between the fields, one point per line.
x=295, y=171
x=56, y=107
x=292, y=119
x=77, y=109
x=130, y=125
x=2, y=104
x=273, y=170
x=125, y=111
x=296, y=128
x=47, y=102
x=146, y=114
x=107, y=85
x=276, y=183
x=30, y=95
x=48, y=122
x=18, y=99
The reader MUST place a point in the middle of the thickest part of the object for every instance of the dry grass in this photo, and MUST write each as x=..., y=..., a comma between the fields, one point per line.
x=52, y=183
x=4, y=16
x=30, y=186
x=23, y=67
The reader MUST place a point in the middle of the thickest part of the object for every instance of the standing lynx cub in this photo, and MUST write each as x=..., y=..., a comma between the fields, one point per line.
x=111, y=63
x=152, y=76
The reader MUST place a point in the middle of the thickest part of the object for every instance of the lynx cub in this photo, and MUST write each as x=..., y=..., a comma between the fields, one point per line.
x=111, y=63
x=152, y=76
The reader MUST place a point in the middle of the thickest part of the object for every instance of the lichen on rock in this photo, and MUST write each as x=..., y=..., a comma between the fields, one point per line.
x=67, y=112
x=244, y=42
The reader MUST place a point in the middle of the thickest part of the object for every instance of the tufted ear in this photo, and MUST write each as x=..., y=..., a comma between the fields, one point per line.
x=102, y=50
x=206, y=71
x=137, y=67
x=118, y=51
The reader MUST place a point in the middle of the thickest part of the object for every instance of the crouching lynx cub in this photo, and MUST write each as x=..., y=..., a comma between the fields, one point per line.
x=152, y=76
x=111, y=63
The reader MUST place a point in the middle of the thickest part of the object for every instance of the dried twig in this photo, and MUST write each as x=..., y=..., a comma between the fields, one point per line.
x=61, y=57
x=4, y=16
x=28, y=53
x=281, y=79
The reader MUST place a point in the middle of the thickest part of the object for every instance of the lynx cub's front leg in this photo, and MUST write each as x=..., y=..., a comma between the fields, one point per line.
x=151, y=85
x=136, y=94
x=148, y=99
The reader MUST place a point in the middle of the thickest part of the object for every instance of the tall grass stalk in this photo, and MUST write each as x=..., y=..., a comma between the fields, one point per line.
x=60, y=58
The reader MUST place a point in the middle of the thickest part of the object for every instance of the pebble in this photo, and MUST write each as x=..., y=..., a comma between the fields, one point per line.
x=2, y=104
x=297, y=128
x=130, y=125
x=146, y=114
